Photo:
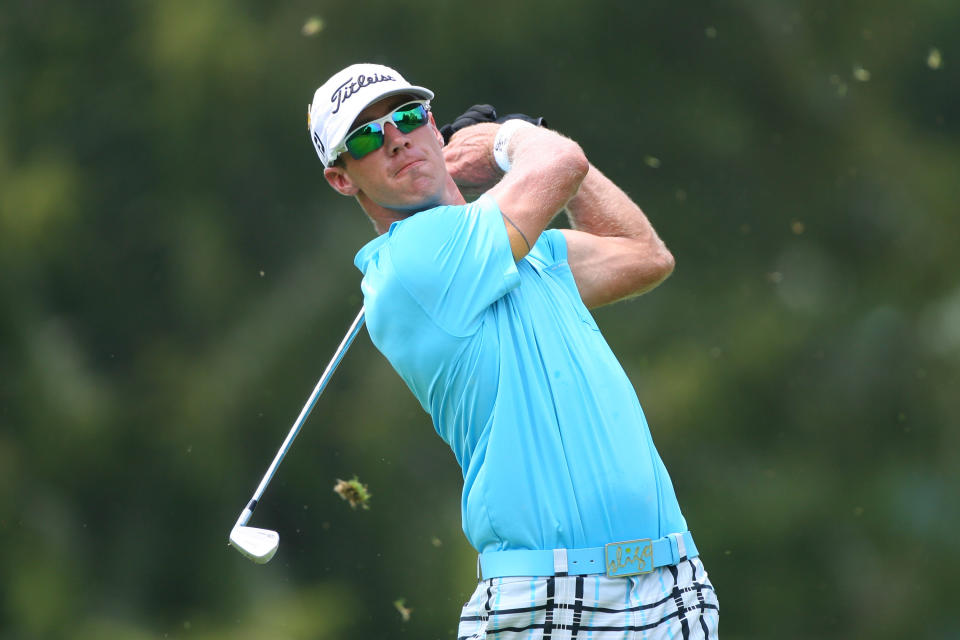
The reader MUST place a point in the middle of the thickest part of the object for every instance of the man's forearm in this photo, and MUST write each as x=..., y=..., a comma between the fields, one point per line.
x=613, y=251
x=602, y=208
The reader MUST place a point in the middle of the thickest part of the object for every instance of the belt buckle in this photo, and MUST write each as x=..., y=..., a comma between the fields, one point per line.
x=629, y=558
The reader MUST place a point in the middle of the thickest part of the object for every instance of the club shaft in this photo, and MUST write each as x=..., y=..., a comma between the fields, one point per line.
x=307, y=408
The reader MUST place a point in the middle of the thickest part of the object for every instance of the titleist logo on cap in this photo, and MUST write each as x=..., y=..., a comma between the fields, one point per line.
x=351, y=86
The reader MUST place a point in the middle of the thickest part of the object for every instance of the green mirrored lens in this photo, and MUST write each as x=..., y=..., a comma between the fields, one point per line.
x=370, y=136
x=365, y=140
x=409, y=117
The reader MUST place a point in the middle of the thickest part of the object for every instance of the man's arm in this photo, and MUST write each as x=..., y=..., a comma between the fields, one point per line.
x=546, y=170
x=612, y=249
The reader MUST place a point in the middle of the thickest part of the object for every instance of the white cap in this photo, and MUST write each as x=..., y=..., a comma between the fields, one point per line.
x=338, y=102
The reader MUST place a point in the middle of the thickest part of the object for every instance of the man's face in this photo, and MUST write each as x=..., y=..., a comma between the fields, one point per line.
x=406, y=173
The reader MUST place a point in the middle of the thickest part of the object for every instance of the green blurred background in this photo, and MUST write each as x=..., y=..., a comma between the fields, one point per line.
x=176, y=273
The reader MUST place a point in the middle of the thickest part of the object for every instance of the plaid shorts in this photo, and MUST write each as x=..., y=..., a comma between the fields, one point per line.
x=671, y=602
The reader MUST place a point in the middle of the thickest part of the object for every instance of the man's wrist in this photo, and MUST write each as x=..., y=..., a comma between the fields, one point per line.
x=502, y=141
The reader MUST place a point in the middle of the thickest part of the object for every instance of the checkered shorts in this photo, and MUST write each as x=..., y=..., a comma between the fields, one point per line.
x=671, y=602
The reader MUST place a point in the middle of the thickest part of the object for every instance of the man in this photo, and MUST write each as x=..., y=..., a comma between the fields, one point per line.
x=483, y=313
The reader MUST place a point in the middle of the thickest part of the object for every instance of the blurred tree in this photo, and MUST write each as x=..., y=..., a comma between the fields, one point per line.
x=175, y=274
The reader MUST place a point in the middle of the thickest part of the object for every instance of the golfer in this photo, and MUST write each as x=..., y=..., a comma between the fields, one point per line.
x=483, y=312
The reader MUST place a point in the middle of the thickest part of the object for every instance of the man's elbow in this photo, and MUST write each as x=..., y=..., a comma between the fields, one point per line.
x=650, y=269
x=572, y=161
x=665, y=264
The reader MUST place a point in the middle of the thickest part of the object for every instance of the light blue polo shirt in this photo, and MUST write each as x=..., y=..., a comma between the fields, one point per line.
x=509, y=363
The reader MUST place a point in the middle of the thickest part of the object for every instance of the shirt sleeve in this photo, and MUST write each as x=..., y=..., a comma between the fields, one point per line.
x=455, y=262
x=550, y=248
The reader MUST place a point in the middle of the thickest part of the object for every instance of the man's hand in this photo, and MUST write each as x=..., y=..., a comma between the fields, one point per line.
x=483, y=113
x=469, y=159
x=474, y=115
x=468, y=149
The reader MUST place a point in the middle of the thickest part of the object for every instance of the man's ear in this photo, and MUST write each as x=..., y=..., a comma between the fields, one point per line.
x=338, y=178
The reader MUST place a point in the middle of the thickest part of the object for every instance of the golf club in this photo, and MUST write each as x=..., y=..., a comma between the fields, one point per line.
x=261, y=544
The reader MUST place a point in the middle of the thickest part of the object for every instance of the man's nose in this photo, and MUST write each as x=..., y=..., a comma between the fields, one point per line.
x=393, y=138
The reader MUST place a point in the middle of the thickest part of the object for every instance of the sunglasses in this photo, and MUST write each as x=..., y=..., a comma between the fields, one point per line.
x=369, y=137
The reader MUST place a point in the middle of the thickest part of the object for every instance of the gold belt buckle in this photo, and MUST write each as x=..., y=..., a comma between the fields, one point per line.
x=629, y=558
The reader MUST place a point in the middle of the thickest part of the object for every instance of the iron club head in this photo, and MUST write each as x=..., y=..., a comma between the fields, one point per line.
x=257, y=544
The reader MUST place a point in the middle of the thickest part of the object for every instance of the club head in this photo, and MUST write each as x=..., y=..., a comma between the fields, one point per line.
x=257, y=544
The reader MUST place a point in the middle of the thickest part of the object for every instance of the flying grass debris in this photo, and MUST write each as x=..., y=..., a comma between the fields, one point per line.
x=354, y=492
x=399, y=604
x=312, y=26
